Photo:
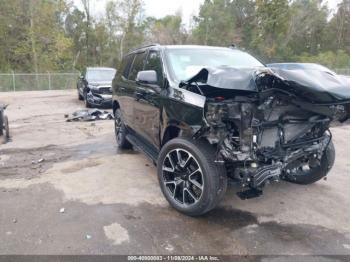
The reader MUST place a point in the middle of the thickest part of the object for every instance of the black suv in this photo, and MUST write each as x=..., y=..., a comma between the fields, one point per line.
x=95, y=86
x=205, y=114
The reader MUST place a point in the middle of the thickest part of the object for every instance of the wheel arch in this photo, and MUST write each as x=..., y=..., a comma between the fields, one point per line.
x=115, y=106
x=170, y=133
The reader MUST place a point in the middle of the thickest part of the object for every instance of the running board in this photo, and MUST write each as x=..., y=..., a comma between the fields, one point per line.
x=152, y=154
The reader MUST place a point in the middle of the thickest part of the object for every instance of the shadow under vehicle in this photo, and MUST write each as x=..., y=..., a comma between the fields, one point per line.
x=95, y=86
x=206, y=114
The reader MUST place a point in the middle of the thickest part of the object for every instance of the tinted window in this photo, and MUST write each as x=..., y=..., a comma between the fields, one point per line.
x=154, y=62
x=137, y=65
x=100, y=74
x=126, y=64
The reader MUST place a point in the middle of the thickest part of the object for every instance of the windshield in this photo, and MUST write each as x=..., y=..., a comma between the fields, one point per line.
x=185, y=63
x=100, y=74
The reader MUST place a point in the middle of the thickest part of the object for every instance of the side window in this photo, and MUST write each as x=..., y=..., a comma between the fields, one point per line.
x=137, y=65
x=126, y=64
x=154, y=62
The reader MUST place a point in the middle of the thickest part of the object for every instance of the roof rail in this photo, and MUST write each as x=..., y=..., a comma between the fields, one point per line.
x=145, y=46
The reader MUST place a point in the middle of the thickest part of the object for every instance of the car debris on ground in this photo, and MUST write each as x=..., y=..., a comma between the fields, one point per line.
x=38, y=161
x=86, y=115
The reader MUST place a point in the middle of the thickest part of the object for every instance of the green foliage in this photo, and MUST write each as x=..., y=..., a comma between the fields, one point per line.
x=215, y=16
x=32, y=36
x=338, y=59
x=168, y=30
x=271, y=25
x=306, y=27
x=54, y=35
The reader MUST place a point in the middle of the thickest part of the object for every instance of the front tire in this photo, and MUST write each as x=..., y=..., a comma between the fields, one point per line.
x=87, y=104
x=80, y=97
x=313, y=174
x=120, y=131
x=189, y=178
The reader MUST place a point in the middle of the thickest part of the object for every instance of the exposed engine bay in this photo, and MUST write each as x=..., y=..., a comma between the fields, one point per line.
x=268, y=128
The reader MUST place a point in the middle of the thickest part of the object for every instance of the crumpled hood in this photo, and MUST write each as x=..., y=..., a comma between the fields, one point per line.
x=314, y=85
x=319, y=85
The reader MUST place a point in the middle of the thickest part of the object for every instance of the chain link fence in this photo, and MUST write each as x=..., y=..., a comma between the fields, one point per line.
x=31, y=82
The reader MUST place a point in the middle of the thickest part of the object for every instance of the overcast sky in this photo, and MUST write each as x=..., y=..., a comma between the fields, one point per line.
x=160, y=8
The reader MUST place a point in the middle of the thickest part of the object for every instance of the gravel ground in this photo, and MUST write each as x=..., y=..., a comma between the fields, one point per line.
x=87, y=197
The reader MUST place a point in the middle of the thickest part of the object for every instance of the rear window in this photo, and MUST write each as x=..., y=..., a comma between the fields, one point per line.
x=137, y=65
x=126, y=64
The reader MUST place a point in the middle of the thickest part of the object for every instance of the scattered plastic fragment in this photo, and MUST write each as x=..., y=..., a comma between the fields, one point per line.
x=38, y=161
x=90, y=115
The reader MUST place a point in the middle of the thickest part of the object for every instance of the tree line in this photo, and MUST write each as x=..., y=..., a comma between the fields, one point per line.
x=56, y=35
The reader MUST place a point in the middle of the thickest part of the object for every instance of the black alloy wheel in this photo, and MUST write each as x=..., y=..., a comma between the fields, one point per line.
x=120, y=131
x=183, y=177
x=190, y=179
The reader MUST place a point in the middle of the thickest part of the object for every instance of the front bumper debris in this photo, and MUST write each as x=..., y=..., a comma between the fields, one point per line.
x=100, y=100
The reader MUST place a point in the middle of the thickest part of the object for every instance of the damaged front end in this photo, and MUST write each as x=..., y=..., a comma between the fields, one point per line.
x=100, y=96
x=265, y=127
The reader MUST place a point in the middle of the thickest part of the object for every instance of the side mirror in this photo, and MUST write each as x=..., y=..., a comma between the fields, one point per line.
x=147, y=77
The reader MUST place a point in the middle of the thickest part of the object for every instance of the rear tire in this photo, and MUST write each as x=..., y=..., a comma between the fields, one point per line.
x=316, y=173
x=120, y=131
x=189, y=178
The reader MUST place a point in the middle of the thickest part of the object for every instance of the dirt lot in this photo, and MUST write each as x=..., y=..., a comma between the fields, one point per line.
x=113, y=205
